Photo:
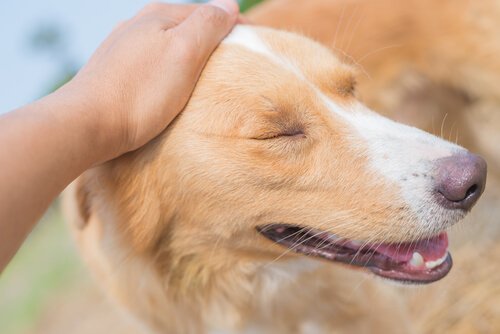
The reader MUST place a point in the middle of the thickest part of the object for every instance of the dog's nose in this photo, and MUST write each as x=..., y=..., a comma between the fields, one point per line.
x=460, y=180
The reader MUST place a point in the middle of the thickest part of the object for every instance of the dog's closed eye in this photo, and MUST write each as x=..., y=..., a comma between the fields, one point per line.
x=292, y=133
x=280, y=121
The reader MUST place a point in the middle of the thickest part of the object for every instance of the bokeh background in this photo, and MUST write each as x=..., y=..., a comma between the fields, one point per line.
x=45, y=289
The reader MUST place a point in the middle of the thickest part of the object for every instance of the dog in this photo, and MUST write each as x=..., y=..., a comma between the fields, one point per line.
x=272, y=201
x=433, y=65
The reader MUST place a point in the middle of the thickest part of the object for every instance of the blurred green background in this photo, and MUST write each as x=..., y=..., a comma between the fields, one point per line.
x=40, y=281
x=46, y=265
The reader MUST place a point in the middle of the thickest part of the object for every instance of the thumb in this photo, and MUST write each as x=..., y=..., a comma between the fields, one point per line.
x=194, y=40
x=205, y=28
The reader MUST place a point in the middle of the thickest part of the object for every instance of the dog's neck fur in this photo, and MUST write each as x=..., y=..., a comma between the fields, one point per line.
x=247, y=297
x=194, y=295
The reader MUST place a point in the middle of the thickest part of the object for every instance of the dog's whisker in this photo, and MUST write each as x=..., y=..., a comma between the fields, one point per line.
x=348, y=26
x=379, y=50
x=442, y=125
x=339, y=24
x=354, y=32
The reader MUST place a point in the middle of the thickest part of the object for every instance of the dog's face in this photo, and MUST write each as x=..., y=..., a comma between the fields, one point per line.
x=275, y=150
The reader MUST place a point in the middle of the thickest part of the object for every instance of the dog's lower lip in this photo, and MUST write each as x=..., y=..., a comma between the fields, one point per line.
x=417, y=262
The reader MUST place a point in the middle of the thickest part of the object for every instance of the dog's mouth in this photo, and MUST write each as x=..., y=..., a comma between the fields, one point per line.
x=419, y=262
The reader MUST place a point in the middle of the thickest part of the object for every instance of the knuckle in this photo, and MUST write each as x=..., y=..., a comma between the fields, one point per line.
x=150, y=21
x=213, y=15
x=155, y=23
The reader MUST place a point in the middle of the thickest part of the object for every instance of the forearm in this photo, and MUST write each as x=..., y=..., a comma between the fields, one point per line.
x=43, y=147
x=136, y=82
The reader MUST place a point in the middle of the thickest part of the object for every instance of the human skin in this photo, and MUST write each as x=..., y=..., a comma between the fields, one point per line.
x=133, y=86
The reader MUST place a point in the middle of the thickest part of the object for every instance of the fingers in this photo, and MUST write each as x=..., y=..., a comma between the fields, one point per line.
x=174, y=13
x=205, y=28
x=193, y=41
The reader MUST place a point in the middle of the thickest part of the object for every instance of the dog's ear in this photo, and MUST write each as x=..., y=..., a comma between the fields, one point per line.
x=83, y=202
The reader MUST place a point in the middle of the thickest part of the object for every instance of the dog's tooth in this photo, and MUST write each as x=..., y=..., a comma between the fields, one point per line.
x=434, y=264
x=416, y=260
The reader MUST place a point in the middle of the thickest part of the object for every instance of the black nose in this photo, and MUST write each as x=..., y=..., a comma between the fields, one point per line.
x=460, y=180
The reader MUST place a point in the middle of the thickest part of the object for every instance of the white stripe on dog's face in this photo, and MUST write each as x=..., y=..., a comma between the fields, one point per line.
x=403, y=155
x=246, y=37
x=249, y=39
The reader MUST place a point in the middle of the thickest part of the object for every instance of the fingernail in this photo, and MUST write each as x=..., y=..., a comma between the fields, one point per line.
x=229, y=6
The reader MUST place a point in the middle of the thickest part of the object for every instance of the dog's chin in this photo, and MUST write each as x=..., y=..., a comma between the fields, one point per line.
x=413, y=262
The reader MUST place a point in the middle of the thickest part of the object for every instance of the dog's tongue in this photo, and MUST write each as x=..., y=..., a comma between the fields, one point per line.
x=431, y=249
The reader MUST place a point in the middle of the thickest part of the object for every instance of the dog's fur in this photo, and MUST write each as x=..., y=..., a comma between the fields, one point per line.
x=272, y=133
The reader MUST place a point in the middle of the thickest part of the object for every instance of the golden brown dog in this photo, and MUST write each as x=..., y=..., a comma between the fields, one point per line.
x=251, y=212
x=435, y=65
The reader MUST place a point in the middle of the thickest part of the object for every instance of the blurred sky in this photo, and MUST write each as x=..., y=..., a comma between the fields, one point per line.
x=24, y=74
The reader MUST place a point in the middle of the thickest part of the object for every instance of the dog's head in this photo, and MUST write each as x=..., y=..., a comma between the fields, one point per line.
x=273, y=156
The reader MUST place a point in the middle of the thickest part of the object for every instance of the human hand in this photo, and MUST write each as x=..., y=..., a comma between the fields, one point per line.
x=138, y=80
x=143, y=74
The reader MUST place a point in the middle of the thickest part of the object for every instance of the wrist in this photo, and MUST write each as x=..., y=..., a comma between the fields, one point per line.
x=91, y=120
x=71, y=117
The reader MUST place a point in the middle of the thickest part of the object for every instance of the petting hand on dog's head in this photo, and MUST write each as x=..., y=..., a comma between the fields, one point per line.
x=144, y=72
x=134, y=85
